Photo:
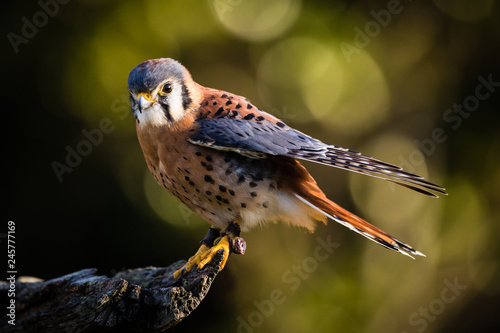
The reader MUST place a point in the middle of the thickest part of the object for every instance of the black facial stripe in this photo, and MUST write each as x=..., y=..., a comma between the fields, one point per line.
x=166, y=111
x=186, y=99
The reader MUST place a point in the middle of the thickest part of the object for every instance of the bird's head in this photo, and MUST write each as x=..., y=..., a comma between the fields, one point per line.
x=162, y=92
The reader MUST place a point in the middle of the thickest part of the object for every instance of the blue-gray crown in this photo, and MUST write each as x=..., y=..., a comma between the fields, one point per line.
x=149, y=74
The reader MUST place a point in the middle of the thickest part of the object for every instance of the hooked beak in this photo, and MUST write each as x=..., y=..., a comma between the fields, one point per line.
x=144, y=101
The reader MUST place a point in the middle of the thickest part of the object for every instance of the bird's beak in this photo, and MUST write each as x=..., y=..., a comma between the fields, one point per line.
x=144, y=101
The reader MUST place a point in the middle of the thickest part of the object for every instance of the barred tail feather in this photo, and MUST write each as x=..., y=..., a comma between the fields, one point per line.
x=357, y=224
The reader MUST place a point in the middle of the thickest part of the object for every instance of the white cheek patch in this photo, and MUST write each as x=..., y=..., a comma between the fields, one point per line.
x=152, y=116
x=156, y=115
x=175, y=102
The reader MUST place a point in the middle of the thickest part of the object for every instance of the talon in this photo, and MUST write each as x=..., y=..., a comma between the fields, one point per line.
x=193, y=261
x=228, y=242
x=178, y=272
x=223, y=244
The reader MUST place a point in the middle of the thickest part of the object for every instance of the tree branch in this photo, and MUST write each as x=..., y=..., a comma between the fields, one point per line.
x=143, y=299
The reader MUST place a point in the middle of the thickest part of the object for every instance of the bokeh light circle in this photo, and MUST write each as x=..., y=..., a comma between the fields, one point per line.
x=257, y=20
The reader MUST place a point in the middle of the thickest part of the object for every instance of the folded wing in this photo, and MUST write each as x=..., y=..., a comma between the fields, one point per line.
x=263, y=134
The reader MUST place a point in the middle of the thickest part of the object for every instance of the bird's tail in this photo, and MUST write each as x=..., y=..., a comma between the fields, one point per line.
x=329, y=208
x=304, y=187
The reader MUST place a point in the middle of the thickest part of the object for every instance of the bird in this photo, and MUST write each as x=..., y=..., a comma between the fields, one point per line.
x=238, y=167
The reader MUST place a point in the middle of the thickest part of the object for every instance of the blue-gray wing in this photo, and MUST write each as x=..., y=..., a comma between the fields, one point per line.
x=258, y=137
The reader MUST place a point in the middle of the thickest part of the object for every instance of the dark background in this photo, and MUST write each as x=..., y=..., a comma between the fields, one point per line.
x=375, y=76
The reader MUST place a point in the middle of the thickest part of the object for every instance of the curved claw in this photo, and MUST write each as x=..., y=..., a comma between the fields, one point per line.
x=230, y=241
x=223, y=244
x=193, y=261
x=204, y=255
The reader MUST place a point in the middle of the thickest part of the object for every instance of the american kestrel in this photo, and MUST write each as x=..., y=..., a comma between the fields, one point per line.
x=237, y=166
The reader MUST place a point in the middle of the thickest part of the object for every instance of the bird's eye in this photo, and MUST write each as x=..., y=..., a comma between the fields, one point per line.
x=166, y=89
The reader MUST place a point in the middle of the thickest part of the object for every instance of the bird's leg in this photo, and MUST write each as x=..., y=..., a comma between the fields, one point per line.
x=214, y=241
x=206, y=244
x=229, y=242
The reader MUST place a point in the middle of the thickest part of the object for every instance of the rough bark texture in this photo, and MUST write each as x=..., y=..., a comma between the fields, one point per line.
x=143, y=299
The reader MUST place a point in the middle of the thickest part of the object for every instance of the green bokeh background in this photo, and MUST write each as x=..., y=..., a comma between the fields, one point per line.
x=375, y=76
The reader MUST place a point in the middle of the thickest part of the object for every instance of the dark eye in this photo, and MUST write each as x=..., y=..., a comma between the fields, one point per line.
x=167, y=88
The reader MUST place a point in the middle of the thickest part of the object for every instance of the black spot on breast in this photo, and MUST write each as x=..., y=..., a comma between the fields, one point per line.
x=249, y=116
x=241, y=179
x=243, y=205
x=208, y=193
x=219, y=112
x=265, y=204
x=214, y=103
x=253, y=194
x=231, y=192
x=252, y=184
x=280, y=124
x=201, y=115
x=229, y=102
x=209, y=158
x=218, y=197
x=223, y=96
x=209, y=179
x=198, y=153
x=238, y=106
x=222, y=188
x=249, y=106
x=186, y=178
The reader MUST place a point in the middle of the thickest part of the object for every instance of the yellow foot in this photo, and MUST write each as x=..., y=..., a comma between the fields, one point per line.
x=222, y=244
x=194, y=260
x=204, y=255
